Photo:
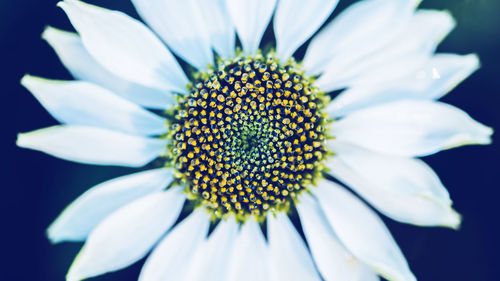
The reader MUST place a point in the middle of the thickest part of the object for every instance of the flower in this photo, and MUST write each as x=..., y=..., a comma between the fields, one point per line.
x=251, y=136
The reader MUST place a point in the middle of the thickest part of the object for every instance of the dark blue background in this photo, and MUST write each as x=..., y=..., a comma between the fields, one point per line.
x=38, y=187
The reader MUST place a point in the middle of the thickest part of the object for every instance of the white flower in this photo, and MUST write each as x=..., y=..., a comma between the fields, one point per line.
x=265, y=146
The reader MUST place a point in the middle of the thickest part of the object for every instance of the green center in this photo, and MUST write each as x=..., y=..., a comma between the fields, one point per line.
x=249, y=136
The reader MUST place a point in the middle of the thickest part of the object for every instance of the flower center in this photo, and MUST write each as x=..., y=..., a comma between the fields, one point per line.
x=249, y=136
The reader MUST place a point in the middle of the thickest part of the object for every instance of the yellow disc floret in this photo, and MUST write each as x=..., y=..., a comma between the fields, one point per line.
x=249, y=136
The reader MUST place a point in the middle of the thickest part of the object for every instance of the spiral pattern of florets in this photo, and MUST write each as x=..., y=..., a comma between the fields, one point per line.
x=249, y=136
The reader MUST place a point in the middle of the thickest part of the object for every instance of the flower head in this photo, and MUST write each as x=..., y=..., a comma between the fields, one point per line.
x=249, y=136
x=246, y=137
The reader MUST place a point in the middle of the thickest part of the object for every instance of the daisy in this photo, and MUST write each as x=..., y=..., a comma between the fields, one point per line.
x=244, y=137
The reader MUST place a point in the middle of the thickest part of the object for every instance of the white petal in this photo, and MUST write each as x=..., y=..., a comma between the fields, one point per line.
x=295, y=21
x=251, y=19
x=249, y=261
x=170, y=259
x=219, y=26
x=362, y=28
x=125, y=46
x=362, y=232
x=90, y=145
x=288, y=255
x=87, y=211
x=404, y=189
x=332, y=259
x=411, y=128
x=83, y=66
x=181, y=25
x=84, y=103
x=404, y=55
x=422, y=84
x=127, y=235
x=211, y=260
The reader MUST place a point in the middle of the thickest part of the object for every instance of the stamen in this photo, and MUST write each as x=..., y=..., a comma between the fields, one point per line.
x=249, y=136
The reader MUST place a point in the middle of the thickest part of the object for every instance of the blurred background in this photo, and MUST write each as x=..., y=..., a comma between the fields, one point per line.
x=39, y=186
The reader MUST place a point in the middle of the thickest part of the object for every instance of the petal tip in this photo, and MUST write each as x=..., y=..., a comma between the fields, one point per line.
x=33, y=83
x=474, y=60
x=61, y=4
x=54, y=232
x=454, y=220
x=54, y=35
x=52, y=236
x=22, y=140
x=480, y=134
x=68, y=4
x=451, y=22
x=485, y=134
x=24, y=78
x=48, y=32
x=27, y=80
x=489, y=130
